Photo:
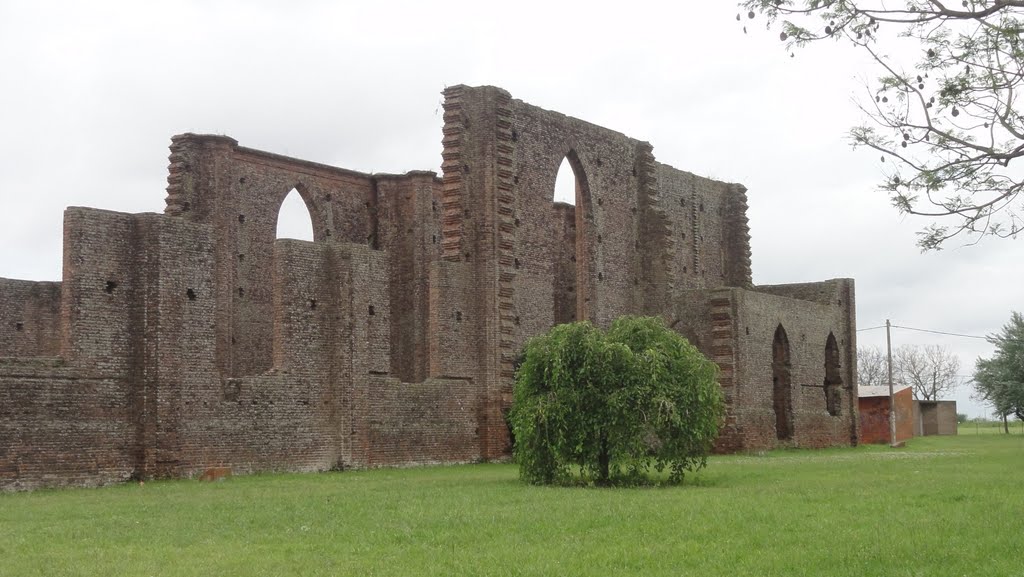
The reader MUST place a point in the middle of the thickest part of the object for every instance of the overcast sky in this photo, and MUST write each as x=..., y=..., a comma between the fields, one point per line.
x=91, y=93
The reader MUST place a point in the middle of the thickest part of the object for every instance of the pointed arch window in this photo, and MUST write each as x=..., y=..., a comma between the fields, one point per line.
x=833, y=379
x=569, y=250
x=293, y=219
x=782, y=390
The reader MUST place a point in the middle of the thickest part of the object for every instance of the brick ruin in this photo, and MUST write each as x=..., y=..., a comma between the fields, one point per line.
x=193, y=339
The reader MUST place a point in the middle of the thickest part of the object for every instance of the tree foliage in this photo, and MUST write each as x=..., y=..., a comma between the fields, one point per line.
x=931, y=371
x=950, y=120
x=613, y=404
x=1000, y=379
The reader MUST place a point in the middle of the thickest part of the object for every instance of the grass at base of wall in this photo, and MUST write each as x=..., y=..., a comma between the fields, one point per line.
x=940, y=506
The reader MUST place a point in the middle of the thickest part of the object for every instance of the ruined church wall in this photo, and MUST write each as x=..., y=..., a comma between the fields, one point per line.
x=606, y=266
x=60, y=426
x=409, y=230
x=29, y=318
x=239, y=191
x=98, y=289
x=807, y=325
x=709, y=229
x=456, y=344
x=434, y=421
x=76, y=419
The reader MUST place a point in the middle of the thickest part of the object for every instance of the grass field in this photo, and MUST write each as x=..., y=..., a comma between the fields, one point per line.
x=940, y=506
x=990, y=428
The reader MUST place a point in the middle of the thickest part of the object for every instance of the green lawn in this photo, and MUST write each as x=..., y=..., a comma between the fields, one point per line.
x=940, y=506
x=990, y=428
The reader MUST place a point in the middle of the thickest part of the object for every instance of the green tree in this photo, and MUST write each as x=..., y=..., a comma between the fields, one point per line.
x=613, y=403
x=949, y=121
x=1000, y=380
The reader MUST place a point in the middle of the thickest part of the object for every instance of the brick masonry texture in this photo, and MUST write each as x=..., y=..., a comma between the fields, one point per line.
x=194, y=339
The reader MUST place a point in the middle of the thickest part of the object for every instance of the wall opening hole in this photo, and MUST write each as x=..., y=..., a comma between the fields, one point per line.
x=293, y=220
x=111, y=285
x=600, y=276
x=458, y=316
x=327, y=197
x=312, y=304
x=186, y=207
x=241, y=292
x=241, y=257
x=515, y=263
x=515, y=136
x=517, y=320
x=433, y=239
x=600, y=202
x=517, y=223
x=19, y=326
x=599, y=238
x=433, y=206
x=515, y=180
x=748, y=331
x=467, y=256
x=191, y=294
x=371, y=311
x=241, y=219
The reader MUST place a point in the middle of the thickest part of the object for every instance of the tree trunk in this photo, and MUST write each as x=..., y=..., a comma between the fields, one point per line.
x=603, y=462
x=1006, y=425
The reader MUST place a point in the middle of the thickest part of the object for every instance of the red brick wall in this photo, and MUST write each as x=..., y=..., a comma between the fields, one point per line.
x=874, y=417
x=32, y=318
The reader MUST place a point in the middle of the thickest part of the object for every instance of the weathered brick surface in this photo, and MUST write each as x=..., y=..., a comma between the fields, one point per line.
x=31, y=311
x=193, y=339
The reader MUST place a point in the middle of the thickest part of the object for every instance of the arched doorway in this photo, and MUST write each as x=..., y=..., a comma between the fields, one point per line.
x=782, y=390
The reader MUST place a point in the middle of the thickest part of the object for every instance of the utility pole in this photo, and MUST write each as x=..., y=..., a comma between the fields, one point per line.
x=892, y=397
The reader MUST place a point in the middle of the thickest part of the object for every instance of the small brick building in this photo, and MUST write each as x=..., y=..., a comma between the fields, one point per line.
x=194, y=338
x=935, y=418
x=874, y=414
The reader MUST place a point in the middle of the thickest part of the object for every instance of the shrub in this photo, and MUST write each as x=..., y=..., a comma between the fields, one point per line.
x=613, y=403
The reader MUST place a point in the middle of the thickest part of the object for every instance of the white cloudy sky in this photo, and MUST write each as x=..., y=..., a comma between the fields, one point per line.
x=90, y=93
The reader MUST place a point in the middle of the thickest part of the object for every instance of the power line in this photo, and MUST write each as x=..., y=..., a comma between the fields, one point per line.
x=940, y=332
x=998, y=338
